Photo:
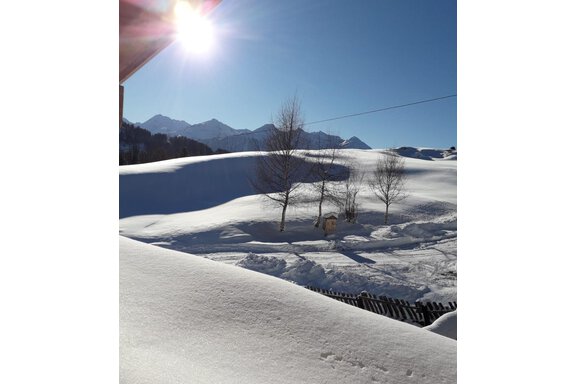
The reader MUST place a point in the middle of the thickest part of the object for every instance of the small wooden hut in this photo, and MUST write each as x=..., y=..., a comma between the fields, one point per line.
x=329, y=224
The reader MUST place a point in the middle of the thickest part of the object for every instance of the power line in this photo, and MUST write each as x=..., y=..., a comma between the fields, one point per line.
x=380, y=109
x=358, y=114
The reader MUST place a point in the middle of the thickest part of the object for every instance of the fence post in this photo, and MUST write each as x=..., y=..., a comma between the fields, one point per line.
x=426, y=314
x=424, y=310
x=361, y=300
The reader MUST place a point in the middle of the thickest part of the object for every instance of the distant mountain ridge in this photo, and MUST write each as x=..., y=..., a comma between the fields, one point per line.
x=202, y=131
x=427, y=153
x=218, y=135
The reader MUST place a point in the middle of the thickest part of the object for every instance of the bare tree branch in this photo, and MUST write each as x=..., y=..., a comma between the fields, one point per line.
x=344, y=195
x=389, y=180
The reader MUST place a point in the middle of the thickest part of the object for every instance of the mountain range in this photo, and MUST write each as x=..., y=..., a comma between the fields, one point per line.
x=218, y=135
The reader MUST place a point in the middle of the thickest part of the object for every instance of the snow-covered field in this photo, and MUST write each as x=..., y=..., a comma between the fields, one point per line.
x=205, y=206
x=187, y=319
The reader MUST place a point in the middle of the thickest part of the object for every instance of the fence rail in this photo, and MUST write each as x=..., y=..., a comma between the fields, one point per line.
x=419, y=313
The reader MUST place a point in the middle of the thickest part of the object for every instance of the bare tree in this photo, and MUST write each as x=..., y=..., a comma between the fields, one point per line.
x=389, y=180
x=281, y=171
x=325, y=170
x=351, y=187
x=346, y=191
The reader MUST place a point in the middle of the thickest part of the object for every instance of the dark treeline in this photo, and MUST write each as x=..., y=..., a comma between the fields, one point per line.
x=138, y=145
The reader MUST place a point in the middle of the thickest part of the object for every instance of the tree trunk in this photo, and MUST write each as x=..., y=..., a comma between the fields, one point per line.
x=284, y=206
x=320, y=205
x=283, y=218
x=386, y=215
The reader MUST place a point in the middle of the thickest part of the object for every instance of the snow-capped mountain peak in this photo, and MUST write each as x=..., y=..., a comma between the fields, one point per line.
x=163, y=124
x=354, y=142
x=201, y=131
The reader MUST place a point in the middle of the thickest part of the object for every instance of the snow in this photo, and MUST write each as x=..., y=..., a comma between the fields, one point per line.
x=217, y=296
x=185, y=319
x=445, y=325
x=205, y=206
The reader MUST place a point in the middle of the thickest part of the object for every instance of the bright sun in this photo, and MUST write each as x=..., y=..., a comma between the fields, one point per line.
x=194, y=31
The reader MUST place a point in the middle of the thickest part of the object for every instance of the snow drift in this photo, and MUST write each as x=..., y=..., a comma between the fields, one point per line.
x=184, y=319
x=445, y=325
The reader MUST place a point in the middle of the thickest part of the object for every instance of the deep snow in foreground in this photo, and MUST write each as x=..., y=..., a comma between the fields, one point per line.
x=185, y=319
x=205, y=206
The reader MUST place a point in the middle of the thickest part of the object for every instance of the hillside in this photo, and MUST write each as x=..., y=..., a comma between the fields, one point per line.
x=138, y=145
x=206, y=206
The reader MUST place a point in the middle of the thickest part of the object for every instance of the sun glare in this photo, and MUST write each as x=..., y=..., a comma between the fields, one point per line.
x=194, y=31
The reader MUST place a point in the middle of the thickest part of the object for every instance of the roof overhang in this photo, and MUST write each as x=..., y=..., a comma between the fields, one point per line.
x=146, y=28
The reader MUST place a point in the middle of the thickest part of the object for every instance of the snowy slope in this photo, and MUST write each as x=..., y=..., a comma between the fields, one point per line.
x=184, y=319
x=184, y=184
x=205, y=206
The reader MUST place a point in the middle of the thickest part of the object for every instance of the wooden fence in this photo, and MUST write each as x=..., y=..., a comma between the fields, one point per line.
x=419, y=313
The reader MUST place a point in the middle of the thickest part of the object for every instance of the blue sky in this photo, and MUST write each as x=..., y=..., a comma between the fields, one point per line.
x=339, y=57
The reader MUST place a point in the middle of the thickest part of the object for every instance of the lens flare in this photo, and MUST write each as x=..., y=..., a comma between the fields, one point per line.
x=194, y=31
